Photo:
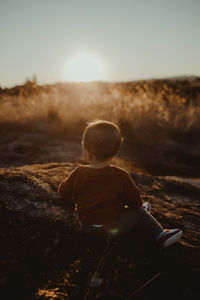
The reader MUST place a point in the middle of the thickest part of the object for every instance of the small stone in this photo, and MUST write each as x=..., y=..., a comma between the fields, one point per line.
x=48, y=250
x=3, y=262
x=14, y=262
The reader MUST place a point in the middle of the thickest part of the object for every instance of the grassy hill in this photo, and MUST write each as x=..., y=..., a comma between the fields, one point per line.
x=43, y=253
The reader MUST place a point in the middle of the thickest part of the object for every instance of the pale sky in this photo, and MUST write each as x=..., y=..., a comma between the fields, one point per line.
x=135, y=39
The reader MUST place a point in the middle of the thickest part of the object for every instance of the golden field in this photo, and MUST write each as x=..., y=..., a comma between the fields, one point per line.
x=160, y=119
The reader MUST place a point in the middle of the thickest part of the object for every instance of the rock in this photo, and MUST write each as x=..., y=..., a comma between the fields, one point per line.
x=31, y=190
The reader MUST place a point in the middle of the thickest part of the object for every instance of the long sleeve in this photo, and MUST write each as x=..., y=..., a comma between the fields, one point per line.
x=65, y=188
x=131, y=193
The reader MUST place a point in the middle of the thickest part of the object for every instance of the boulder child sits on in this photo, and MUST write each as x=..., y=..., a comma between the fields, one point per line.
x=107, y=199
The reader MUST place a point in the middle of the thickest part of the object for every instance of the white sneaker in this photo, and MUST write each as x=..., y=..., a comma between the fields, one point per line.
x=147, y=206
x=169, y=236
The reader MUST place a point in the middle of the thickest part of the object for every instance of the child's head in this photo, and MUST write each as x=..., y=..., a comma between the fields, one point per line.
x=101, y=140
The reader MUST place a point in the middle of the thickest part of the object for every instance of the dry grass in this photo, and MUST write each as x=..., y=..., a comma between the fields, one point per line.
x=156, y=117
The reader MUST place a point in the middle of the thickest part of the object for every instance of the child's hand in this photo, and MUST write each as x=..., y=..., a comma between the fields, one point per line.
x=147, y=206
x=68, y=205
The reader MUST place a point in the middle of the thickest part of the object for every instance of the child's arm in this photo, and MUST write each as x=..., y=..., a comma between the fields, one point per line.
x=131, y=193
x=65, y=188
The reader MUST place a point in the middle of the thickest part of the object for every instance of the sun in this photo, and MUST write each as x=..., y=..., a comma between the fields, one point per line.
x=84, y=67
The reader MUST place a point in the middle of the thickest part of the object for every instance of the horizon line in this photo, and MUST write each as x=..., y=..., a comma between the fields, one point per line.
x=175, y=77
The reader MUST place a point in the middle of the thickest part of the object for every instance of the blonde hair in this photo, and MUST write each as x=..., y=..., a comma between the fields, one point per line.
x=102, y=139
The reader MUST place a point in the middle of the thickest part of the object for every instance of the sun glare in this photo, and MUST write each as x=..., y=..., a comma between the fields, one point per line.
x=84, y=67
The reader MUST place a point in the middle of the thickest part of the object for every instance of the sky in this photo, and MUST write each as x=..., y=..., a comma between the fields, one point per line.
x=130, y=39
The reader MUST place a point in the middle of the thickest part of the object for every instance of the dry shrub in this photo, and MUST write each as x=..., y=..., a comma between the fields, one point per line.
x=140, y=112
x=155, y=117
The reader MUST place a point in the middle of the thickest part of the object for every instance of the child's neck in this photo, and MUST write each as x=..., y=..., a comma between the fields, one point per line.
x=99, y=165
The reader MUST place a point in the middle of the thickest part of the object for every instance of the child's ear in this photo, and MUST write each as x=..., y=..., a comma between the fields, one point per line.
x=85, y=154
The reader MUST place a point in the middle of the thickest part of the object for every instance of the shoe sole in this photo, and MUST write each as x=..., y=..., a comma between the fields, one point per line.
x=175, y=238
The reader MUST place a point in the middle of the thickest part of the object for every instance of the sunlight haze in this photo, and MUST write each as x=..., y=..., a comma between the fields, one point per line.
x=84, y=67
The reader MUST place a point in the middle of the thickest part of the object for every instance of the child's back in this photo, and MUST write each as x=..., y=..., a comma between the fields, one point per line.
x=102, y=191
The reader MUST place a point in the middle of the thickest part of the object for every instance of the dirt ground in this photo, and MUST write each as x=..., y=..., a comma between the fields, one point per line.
x=44, y=254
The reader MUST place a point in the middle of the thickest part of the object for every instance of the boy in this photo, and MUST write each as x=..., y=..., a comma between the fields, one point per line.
x=108, y=202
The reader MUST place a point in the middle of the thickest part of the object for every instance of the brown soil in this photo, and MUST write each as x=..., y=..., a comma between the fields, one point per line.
x=44, y=255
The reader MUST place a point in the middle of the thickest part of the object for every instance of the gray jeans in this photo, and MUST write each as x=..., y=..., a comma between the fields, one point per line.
x=129, y=219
